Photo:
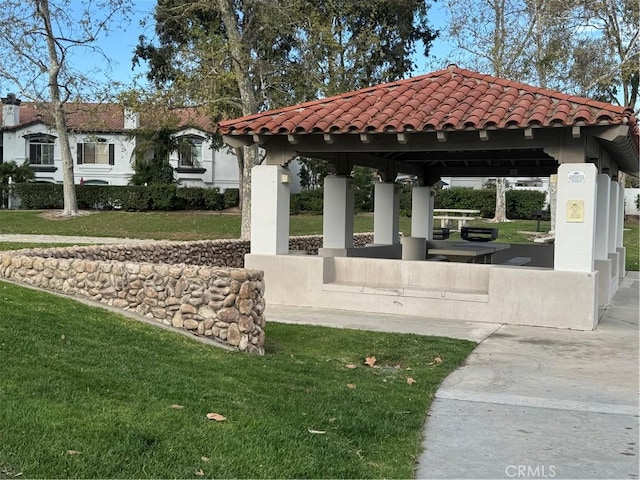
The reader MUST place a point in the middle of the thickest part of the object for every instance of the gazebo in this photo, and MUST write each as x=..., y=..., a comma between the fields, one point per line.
x=452, y=122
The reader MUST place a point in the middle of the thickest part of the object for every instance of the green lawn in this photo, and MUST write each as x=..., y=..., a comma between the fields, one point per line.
x=206, y=225
x=86, y=393
x=192, y=225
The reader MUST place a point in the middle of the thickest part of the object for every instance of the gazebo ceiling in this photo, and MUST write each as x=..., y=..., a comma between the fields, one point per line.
x=426, y=122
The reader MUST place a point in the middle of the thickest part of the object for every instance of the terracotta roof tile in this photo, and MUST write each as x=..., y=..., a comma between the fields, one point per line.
x=453, y=98
x=103, y=117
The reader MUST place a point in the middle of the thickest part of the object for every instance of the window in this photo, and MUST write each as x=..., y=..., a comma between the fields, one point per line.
x=99, y=152
x=41, y=150
x=190, y=152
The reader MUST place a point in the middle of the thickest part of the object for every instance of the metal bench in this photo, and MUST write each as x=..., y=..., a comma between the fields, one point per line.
x=518, y=261
x=478, y=234
x=441, y=233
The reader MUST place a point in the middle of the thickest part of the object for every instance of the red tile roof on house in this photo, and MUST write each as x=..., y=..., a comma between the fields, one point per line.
x=103, y=117
x=450, y=99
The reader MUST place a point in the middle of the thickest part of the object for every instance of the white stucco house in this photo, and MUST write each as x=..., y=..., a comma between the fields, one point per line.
x=102, y=145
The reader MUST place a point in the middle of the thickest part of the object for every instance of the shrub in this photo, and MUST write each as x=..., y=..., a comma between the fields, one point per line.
x=190, y=198
x=522, y=203
x=213, y=199
x=40, y=195
x=307, y=201
x=231, y=197
x=467, y=198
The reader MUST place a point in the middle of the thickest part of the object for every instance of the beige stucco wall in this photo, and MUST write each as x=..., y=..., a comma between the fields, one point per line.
x=491, y=293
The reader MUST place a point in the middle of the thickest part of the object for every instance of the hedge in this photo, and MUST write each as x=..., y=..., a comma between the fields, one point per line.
x=520, y=203
x=38, y=196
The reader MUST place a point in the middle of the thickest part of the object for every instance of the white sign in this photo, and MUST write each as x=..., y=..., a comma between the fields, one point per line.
x=577, y=177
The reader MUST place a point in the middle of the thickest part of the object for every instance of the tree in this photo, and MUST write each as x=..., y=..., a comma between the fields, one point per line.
x=151, y=156
x=38, y=39
x=241, y=57
x=606, y=57
x=586, y=47
x=17, y=173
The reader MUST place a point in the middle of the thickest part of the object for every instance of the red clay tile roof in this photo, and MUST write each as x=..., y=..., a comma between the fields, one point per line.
x=450, y=99
x=103, y=117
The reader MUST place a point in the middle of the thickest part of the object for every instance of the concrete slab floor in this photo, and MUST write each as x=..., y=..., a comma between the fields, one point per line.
x=542, y=403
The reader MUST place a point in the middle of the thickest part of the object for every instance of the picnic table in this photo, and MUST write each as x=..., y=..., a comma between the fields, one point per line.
x=450, y=216
x=468, y=252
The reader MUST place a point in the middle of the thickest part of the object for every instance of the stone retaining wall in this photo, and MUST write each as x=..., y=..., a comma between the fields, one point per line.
x=197, y=286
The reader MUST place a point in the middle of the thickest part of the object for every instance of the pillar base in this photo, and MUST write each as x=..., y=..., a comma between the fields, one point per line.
x=622, y=262
x=604, y=282
x=414, y=248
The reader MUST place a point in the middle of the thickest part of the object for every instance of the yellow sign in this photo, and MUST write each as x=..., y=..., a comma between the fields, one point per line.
x=575, y=211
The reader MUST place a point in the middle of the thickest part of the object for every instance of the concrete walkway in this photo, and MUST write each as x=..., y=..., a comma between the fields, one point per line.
x=529, y=402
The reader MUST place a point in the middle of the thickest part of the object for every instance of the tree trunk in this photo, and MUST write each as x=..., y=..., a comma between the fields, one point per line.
x=501, y=200
x=69, y=188
x=240, y=60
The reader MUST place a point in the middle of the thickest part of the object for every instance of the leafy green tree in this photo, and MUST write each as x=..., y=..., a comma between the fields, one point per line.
x=241, y=57
x=18, y=173
x=151, y=156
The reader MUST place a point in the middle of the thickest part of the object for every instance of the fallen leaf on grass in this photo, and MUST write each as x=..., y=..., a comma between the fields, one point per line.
x=200, y=473
x=216, y=416
x=332, y=419
x=351, y=385
x=204, y=459
x=436, y=361
x=351, y=366
x=371, y=361
x=411, y=380
x=73, y=452
x=317, y=432
x=176, y=407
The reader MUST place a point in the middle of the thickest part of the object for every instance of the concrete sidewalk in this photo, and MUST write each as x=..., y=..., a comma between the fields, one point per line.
x=542, y=403
x=529, y=402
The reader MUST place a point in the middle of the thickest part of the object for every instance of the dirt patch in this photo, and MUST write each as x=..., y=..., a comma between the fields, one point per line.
x=59, y=214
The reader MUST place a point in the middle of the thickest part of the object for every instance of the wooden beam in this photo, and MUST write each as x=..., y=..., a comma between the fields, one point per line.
x=575, y=131
x=484, y=135
x=441, y=136
x=293, y=140
x=528, y=133
x=329, y=139
x=403, y=138
x=496, y=171
x=365, y=138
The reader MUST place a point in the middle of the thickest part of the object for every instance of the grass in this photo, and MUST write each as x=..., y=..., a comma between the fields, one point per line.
x=81, y=379
x=631, y=243
x=206, y=225
x=191, y=225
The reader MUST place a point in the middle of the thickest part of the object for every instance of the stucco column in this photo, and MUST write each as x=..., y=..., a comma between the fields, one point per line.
x=337, y=221
x=622, y=252
x=386, y=214
x=576, y=217
x=602, y=216
x=613, y=217
x=602, y=262
x=422, y=212
x=270, y=210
